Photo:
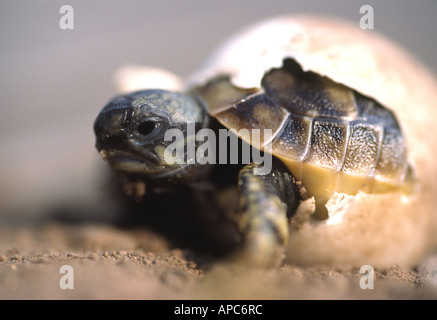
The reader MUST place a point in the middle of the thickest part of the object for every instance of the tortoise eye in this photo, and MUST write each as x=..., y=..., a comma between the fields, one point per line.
x=147, y=127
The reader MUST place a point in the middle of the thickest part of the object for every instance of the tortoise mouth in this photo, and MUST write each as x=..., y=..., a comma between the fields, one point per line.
x=131, y=163
x=127, y=164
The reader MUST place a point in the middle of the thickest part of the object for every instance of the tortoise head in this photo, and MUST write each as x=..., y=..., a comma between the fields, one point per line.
x=131, y=134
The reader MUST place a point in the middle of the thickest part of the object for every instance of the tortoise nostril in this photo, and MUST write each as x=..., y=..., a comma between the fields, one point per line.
x=145, y=128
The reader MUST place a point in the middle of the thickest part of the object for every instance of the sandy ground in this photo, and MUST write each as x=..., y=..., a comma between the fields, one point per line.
x=111, y=262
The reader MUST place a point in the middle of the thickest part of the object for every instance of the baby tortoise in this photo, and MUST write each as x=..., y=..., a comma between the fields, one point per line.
x=328, y=137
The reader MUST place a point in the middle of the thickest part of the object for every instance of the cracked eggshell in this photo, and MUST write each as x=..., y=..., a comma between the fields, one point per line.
x=129, y=78
x=368, y=229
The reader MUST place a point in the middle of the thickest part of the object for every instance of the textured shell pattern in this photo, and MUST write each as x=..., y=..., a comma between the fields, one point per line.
x=332, y=137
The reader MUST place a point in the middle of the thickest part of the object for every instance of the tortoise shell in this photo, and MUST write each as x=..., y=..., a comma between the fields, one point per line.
x=330, y=136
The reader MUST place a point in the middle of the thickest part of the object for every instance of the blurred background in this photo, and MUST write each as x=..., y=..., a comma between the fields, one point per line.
x=54, y=82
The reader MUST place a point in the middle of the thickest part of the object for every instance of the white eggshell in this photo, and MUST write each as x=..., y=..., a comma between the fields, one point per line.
x=130, y=78
x=369, y=229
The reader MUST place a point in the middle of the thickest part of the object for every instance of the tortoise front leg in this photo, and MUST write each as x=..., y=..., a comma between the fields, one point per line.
x=265, y=203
